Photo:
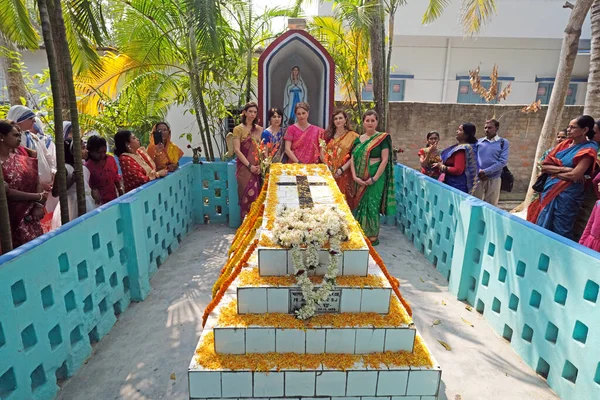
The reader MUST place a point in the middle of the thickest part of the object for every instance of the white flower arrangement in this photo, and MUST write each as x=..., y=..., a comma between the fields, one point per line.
x=311, y=229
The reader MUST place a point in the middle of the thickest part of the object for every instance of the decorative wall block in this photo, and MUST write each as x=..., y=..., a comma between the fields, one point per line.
x=278, y=300
x=272, y=262
x=399, y=339
x=290, y=341
x=340, y=341
x=369, y=341
x=230, y=340
x=356, y=262
x=260, y=340
x=423, y=382
x=351, y=299
x=315, y=341
x=205, y=384
x=377, y=301
x=252, y=300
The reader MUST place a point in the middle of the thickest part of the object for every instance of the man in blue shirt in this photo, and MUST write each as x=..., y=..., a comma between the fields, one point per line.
x=492, y=157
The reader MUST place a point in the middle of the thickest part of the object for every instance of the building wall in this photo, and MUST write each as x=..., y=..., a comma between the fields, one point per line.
x=410, y=122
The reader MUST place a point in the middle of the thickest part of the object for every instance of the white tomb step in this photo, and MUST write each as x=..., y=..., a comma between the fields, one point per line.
x=343, y=299
x=278, y=262
x=314, y=340
x=403, y=382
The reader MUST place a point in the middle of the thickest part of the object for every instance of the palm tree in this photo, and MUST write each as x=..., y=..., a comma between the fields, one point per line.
x=378, y=60
x=592, y=97
x=346, y=37
x=474, y=13
x=568, y=53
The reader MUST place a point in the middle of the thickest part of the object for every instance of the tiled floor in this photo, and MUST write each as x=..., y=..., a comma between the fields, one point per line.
x=146, y=355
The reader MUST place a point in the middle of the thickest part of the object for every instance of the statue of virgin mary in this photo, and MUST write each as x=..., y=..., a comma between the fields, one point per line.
x=295, y=92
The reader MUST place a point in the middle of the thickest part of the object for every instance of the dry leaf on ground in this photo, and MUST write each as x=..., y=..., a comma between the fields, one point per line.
x=173, y=376
x=469, y=308
x=421, y=279
x=436, y=322
x=446, y=345
x=468, y=323
x=443, y=302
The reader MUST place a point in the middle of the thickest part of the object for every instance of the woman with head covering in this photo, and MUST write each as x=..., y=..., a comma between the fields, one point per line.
x=459, y=161
x=136, y=165
x=295, y=92
x=71, y=186
x=25, y=195
x=166, y=155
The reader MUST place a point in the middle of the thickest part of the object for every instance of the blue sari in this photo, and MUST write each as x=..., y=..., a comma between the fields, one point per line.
x=268, y=137
x=468, y=180
x=561, y=200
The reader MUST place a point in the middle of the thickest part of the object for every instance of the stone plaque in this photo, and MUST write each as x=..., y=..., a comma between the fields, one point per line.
x=331, y=305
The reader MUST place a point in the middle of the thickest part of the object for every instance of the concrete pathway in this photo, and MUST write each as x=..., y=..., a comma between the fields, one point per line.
x=146, y=355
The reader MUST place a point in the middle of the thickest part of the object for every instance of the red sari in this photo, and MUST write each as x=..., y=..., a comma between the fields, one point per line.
x=104, y=176
x=137, y=169
x=249, y=184
x=21, y=173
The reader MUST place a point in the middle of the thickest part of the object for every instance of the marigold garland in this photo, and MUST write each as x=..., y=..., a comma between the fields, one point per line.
x=223, y=288
x=393, y=281
x=208, y=358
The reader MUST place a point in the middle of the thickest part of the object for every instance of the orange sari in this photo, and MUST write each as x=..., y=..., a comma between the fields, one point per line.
x=339, y=151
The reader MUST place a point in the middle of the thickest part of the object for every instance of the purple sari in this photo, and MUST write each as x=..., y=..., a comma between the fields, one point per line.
x=249, y=184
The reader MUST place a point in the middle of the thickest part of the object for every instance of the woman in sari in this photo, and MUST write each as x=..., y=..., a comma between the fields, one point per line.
x=302, y=138
x=246, y=137
x=566, y=167
x=166, y=155
x=373, y=173
x=430, y=155
x=459, y=162
x=24, y=192
x=105, y=180
x=137, y=166
x=340, y=140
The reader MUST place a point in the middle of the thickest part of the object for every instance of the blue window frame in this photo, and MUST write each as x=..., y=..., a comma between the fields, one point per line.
x=466, y=94
x=396, y=92
x=544, y=92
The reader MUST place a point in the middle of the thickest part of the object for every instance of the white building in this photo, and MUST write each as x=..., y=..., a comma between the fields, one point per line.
x=431, y=63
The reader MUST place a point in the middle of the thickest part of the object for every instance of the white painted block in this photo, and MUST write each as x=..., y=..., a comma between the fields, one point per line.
x=315, y=341
x=278, y=300
x=205, y=384
x=324, y=263
x=408, y=398
x=272, y=262
x=331, y=383
x=392, y=383
x=345, y=398
x=230, y=340
x=290, y=341
x=429, y=398
x=340, y=340
x=375, y=398
x=350, y=301
x=361, y=383
x=252, y=300
x=369, y=341
x=423, y=382
x=299, y=383
x=377, y=301
x=268, y=385
x=399, y=339
x=356, y=262
x=236, y=384
x=260, y=340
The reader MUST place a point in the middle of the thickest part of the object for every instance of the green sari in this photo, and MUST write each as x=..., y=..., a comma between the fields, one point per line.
x=378, y=198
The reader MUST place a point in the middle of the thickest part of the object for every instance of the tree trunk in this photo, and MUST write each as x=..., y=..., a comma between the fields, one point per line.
x=592, y=97
x=196, y=97
x=66, y=65
x=5, y=235
x=206, y=123
x=568, y=53
x=14, y=79
x=378, y=61
x=388, y=66
x=61, y=177
x=61, y=50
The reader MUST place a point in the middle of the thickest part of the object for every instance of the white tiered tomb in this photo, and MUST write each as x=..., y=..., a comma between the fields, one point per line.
x=265, y=289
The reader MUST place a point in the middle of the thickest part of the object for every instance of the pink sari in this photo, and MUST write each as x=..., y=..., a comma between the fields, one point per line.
x=305, y=144
x=249, y=184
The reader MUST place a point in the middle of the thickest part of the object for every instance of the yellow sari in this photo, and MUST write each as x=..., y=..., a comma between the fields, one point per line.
x=340, y=150
x=170, y=155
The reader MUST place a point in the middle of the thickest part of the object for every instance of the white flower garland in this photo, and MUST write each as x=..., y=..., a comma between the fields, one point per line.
x=311, y=229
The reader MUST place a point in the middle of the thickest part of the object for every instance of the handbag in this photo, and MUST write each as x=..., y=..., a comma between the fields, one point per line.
x=540, y=182
x=507, y=178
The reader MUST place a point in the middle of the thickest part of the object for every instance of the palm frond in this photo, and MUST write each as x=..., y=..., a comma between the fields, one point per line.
x=15, y=24
x=435, y=9
x=475, y=13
